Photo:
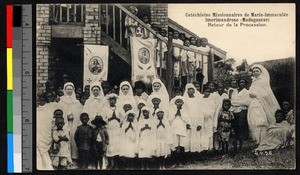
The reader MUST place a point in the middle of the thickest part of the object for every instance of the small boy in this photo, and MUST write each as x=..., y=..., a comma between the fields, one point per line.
x=100, y=139
x=61, y=151
x=225, y=129
x=84, y=141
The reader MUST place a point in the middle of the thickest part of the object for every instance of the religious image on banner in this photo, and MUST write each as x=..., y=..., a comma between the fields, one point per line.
x=95, y=63
x=143, y=59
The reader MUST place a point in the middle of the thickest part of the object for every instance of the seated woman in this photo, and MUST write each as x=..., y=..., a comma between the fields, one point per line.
x=278, y=135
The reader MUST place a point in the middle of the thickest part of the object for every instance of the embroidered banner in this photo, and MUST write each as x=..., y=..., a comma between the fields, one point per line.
x=142, y=59
x=95, y=63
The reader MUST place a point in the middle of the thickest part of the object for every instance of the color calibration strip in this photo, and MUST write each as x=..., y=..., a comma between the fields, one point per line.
x=9, y=64
x=17, y=88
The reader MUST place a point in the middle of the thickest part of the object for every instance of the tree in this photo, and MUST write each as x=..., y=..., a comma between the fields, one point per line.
x=243, y=66
x=224, y=69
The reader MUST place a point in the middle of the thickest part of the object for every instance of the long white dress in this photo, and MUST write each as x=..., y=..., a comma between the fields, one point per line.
x=130, y=138
x=209, y=106
x=163, y=136
x=261, y=111
x=71, y=107
x=113, y=130
x=146, y=138
x=44, y=137
x=195, y=111
x=178, y=123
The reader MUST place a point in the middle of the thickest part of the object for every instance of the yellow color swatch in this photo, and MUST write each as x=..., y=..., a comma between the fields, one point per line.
x=9, y=63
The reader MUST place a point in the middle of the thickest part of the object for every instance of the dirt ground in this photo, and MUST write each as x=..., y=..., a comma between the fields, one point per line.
x=245, y=159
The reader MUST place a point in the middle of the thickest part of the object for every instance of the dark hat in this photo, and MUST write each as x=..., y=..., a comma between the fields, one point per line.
x=98, y=119
x=139, y=85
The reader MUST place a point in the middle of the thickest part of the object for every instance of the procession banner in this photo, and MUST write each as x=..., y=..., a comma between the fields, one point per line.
x=143, y=59
x=95, y=63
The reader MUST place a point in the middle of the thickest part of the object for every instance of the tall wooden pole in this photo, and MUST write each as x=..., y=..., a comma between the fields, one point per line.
x=170, y=65
x=211, y=65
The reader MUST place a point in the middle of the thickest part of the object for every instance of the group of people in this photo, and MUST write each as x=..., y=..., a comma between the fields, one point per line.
x=134, y=129
x=189, y=65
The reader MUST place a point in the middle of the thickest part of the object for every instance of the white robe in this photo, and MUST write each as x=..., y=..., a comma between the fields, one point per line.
x=146, y=147
x=44, y=137
x=195, y=112
x=209, y=106
x=113, y=130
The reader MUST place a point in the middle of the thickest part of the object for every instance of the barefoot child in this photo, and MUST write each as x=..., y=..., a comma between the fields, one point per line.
x=101, y=140
x=225, y=129
x=84, y=141
x=61, y=151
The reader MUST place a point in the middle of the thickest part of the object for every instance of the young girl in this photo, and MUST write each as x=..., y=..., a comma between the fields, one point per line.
x=156, y=101
x=61, y=153
x=129, y=138
x=112, y=117
x=146, y=133
x=163, y=138
x=192, y=100
x=225, y=129
x=101, y=140
x=210, y=123
x=180, y=123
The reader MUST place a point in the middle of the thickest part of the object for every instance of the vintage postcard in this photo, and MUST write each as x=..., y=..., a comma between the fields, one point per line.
x=165, y=86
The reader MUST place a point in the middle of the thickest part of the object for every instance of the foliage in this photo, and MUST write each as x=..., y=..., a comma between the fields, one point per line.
x=223, y=69
x=242, y=66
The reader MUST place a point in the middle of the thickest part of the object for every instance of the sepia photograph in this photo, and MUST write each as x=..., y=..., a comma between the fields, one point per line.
x=159, y=86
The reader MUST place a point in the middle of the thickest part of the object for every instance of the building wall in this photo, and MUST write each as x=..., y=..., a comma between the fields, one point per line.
x=91, y=35
x=159, y=15
x=43, y=37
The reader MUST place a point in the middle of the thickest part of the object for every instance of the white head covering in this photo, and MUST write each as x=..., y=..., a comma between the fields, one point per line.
x=66, y=98
x=108, y=96
x=162, y=91
x=130, y=91
x=187, y=87
x=96, y=84
x=264, y=76
x=261, y=86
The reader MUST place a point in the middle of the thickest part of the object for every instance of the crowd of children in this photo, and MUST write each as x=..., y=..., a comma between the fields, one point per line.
x=137, y=130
